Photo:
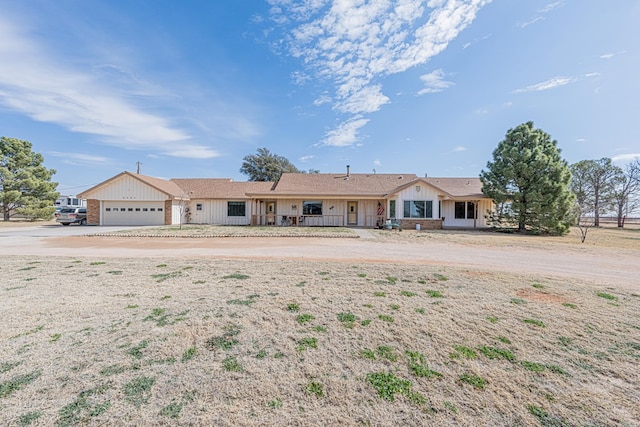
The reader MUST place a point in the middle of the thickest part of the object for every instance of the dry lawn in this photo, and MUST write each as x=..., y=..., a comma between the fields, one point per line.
x=224, y=342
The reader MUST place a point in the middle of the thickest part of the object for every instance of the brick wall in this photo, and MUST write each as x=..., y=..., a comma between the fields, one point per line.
x=167, y=212
x=425, y=224
x=93, y=212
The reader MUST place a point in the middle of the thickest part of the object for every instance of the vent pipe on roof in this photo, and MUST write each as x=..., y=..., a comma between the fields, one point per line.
x=348, y=171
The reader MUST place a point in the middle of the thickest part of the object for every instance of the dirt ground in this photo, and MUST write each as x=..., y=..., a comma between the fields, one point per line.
x=566, y=257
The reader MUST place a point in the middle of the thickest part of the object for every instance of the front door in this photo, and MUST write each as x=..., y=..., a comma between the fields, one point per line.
x=352, y=213
x=271, y=213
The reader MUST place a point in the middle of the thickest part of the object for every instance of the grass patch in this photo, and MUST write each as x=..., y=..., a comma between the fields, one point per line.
x=7, y=366
x=189, y=354
x=440, y=277
x=607, y=296
x=226, y=341
x=532, y=366
x=138, y=390
x=17, y=383
x=418, y=367
x=473, y=380
x=319, y=328
x=434, y=294
x=172, y=410
x=534, y=322
x=161, y=277
x=250, y=300
x=387, y=385
x=466, y=352
x=231, y=364
x=305, y=343
x=408, y=294
x=492, y=319
x=386, y=318
x=29, y=417
x=496, y=353
x=347, y=319
x=237, y=276
x=538, y=286
x=84, y=407
x=315, y=388
x=379, y=294
x=136, y=351
x=293, y=307
x=304, y=318
x=568, y=304
x=387, y=353
x=112, y=370
x=518, y=301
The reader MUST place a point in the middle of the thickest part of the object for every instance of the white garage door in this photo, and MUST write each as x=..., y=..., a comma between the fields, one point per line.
x=133, y=213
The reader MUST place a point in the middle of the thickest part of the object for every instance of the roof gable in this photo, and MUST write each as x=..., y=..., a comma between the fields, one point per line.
x=164, y=186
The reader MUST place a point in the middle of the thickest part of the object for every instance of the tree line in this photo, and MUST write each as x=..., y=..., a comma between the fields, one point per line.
x=535, y=190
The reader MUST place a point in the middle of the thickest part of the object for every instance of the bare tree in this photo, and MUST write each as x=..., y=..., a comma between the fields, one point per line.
x=593, y=183
x=626, y=193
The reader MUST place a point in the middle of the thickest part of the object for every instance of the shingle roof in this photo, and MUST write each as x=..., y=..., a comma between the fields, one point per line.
x=219, y=188
x=163, y=185
x=458, y=187
x=355, y=184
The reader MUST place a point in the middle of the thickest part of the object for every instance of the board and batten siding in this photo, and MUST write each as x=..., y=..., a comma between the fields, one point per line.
x=215, y=212
x=425, y=192
x=128, y=188
x=448, y=212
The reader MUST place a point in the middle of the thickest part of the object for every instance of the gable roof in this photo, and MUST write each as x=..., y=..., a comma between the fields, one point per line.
x=162, y=185
x=219, y=188
x=459, y=187
x=336, y=185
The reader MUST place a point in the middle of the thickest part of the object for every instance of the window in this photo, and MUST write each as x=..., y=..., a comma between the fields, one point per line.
x=236, y=209
x=418, y=209
x=392, y=208
x=159, y=209
x=130, y=209
x=471, y=210
x=108, y=209
x=122, y=209
x=145, y=209
x=465, y=210
x=152, y=209
x=137, y=209
x=198, y=206
x=312, y=207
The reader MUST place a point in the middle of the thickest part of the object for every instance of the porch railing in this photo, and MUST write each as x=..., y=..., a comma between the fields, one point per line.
x=313, y=221
x=298, y=220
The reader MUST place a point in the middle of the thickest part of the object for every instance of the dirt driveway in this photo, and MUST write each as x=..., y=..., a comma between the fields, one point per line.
x=602, y=265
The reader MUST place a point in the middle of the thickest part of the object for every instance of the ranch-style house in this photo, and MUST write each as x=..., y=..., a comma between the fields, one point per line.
x=297, y=199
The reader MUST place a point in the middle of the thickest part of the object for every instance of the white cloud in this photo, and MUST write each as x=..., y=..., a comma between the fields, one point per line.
x=192, y=152
x=541, y=13
x=305, y=159
x=547, y=84
x=581, y=140
x=96, y=96
x=459, y=149
x=434, y=82
x=625, y=158
x=354, y=44
x=346, y=133
x=321, y=100
x=554, y=83
x=377, y=163
x=79, y=158
x=607, y=56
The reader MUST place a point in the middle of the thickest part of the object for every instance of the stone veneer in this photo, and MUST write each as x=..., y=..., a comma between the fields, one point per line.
x=93, y=212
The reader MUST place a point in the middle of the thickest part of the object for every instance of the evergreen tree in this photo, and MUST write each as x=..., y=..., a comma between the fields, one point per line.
x=529, y=182
x=25, y=184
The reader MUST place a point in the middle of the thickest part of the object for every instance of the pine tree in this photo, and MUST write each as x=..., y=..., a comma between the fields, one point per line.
x=529, y=182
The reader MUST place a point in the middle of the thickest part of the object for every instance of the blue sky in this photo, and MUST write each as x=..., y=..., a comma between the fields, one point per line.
x=427, y=87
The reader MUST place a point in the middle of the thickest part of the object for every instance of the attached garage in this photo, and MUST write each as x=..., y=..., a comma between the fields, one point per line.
x=134, y=199
x=132, y=213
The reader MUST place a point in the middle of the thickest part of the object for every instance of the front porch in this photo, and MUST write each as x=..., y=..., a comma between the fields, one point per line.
x=273, y=220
